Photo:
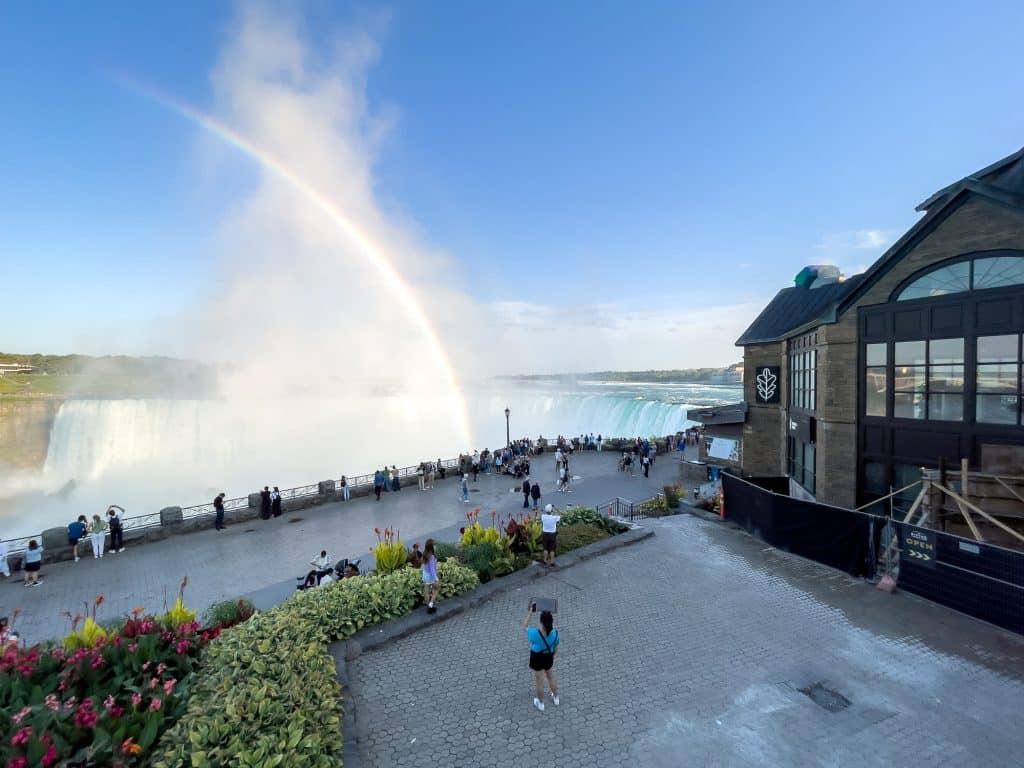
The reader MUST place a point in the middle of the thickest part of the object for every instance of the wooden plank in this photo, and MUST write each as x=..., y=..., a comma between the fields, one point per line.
x=998, y=523
x=1015, y=494
x=917, y=501
x=887, y=496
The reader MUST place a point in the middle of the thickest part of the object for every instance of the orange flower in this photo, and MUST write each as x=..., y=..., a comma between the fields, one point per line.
x=129, y=747
x=99, y=599
x=137, y=611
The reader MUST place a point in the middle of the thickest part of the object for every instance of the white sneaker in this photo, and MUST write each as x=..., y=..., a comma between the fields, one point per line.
x=538, y=704
x=77, y=558
x=554, y=699
x=430, y=604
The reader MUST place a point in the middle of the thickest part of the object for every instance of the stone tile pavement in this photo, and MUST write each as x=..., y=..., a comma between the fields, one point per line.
x=691, y=649
x=262, y=557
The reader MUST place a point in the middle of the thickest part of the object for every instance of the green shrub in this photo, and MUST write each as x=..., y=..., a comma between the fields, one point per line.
x=593, y=517
x=672, y=496
x=576, y=535
x=266, y=693
x=227, y=613
x=444, y=550
x=656, y=507
x=479, y=558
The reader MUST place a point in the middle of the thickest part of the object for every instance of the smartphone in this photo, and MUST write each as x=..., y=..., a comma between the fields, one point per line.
x=542, y=604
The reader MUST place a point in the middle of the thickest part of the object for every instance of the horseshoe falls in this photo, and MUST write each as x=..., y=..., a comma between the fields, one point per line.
x=149, y=453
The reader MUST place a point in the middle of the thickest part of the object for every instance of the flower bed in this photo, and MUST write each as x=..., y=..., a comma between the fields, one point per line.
x=266, y=693
x=104, y=696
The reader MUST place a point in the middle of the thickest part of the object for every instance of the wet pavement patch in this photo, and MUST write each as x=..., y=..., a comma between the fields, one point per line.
x=826, y=698
x=294, y=519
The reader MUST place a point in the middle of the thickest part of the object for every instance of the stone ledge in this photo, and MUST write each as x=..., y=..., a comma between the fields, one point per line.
x=371, y=638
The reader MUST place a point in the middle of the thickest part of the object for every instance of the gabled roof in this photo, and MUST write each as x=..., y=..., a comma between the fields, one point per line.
x=796, y=307
x=997, y=175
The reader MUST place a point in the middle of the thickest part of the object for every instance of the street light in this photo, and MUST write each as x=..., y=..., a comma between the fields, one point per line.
x=508, y=441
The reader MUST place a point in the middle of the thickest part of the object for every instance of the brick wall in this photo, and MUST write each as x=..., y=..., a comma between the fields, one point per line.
x=763, y=434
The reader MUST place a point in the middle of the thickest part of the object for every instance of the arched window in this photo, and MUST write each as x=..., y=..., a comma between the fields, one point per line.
x=990, y=271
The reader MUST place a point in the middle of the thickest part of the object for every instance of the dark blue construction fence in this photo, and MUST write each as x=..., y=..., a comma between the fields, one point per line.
x=837, y=537
x=978, y=579
x=981, y=580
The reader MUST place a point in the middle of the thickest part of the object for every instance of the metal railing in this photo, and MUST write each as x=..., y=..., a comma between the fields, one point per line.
x=634, y=510
x=138, y=523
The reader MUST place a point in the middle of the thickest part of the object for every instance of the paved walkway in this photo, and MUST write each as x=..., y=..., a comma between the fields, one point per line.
x=691, y=649
x=261, y=558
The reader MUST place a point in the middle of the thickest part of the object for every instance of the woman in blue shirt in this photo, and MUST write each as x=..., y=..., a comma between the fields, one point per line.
x=543, y=643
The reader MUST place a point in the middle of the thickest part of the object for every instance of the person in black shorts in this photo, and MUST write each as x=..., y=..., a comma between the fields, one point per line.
x=544, y=641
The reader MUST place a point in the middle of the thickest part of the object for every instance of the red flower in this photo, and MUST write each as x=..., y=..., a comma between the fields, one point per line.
x=22, y=736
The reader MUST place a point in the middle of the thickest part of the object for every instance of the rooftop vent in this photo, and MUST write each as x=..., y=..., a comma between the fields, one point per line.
x=817, y=275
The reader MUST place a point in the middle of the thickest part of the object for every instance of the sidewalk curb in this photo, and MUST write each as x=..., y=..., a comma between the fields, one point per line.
x=372, y=638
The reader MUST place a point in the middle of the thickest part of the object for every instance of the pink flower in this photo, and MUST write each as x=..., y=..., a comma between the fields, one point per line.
x=155, y=704
x=116, y=711
x=146, y=666
x=136, y=699
x=97, y=662
x=169, y=686
x=53, y=702
x=183, y=646
x=109, y=701
x=21, y=737
x=86, y=718
x=160, y=668
x=50, y=758
x=21, y=715
x=133, y=648
x=70, y=703
x=154, y=682
x=17, y=762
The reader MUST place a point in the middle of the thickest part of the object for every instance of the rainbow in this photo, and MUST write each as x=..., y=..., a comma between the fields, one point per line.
x=373, y=253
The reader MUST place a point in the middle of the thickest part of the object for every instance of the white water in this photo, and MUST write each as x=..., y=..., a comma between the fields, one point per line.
x=147, y=454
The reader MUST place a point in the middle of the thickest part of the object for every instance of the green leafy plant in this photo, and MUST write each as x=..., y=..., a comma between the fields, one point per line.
x=593, y=517
x=390, y=553
x=266, y=693
x=474, y=533
x=656, y=507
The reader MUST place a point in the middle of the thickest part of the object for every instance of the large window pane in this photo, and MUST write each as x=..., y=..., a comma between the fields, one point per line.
x=874, y=392
x=908, y=405
x=945, y=351
x=997, y=349
x=945, y=407
x=952, y=279
x=876, y=354
x=910, y=352
x=998, y=271
x=945, y=378
x=996, y=409
x=874, y=478
x=998, y=378
x=910, y=379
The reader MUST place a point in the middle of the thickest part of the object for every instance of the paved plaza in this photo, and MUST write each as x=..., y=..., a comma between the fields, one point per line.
x=692, y=648
x=260, y=558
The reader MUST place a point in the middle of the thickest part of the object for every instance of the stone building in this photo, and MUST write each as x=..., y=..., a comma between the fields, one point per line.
x=852, y=385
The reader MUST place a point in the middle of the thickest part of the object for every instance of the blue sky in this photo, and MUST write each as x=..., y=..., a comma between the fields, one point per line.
x=624, y=155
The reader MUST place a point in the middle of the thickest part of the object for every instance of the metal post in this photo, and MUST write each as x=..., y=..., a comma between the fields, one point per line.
x=508, y=439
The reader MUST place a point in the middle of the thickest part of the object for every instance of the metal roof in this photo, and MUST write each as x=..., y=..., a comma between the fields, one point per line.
x=733, y=413
x=795, y=307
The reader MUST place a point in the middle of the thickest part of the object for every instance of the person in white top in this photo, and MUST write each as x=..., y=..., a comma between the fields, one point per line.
x=5, y=569
x=549, y=530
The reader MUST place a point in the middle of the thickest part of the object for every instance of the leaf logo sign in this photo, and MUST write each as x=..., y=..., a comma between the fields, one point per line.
x=768, y=385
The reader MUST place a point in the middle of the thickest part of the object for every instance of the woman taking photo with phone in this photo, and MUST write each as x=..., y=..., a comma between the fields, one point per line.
x=543, y=642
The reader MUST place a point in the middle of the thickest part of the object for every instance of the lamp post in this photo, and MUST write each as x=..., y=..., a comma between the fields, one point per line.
x=508, y=441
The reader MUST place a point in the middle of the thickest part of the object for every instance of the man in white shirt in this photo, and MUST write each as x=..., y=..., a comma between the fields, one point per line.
x=549, y=529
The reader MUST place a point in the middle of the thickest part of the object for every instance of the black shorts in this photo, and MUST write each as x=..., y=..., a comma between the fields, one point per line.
x=32, y=567
x=541, y=662
x=549, y=541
